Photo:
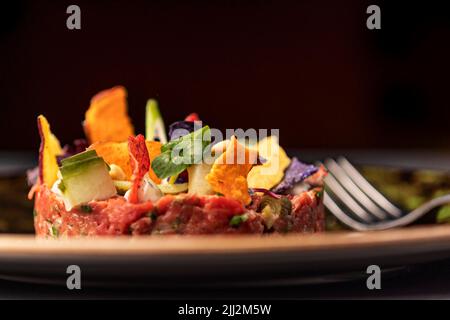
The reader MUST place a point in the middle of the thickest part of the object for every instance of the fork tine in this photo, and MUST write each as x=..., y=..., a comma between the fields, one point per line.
x=342, y=177
x=347, y=199
x=364, y=185
x=341, y=215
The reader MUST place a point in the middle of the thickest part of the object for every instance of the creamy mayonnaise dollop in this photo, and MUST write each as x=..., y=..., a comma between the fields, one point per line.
x=148, y=191
x=57, y=191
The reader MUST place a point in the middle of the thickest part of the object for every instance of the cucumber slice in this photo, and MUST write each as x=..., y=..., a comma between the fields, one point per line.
x=154, y=124
x=85, y=181
x=79, y=157
x=173, y=188
x=197, y=181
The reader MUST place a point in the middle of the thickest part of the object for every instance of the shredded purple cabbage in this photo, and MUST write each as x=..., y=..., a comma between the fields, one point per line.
x=76, y=147
x=32, y=176
x=180, y=128
x=295, y=173
x=182, y=177
x=266, y=192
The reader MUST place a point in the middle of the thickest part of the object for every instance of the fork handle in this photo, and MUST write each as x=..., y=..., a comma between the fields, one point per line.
x=410, y=217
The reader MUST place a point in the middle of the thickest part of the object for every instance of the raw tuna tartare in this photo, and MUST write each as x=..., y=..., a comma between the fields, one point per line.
x=186, y=182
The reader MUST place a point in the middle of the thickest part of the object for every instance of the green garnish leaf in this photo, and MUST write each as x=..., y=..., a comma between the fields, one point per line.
x=163, y=166
x=176, y=156
x=237, y=220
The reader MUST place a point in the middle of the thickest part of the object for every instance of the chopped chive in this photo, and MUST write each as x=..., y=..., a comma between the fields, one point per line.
x=86, y=208
x=176, y=223
x=152, y=215
x=237, y=220
x=54, y=231
x=319, y=194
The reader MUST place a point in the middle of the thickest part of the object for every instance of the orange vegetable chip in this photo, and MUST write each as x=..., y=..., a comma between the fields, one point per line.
x=228, y=176
x=114, y=153
x=140, y=164
x=117, y=153
x=48, y=150
x=107, y=119
x=154, y=150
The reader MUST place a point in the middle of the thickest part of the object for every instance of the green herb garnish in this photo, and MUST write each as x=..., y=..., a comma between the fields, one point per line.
x=176, y=156
x=86, y=208
x=319, y=194
x=152, y=215
x=237, y=220
x=54, y=231
x=176, y=223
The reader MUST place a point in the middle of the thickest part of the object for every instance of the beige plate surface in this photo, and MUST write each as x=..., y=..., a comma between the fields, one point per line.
x=188, y=260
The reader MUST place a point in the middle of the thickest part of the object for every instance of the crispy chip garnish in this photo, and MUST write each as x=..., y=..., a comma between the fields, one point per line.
x=140, y=164
x=154, y=150
x=107, y=119
x=114, y=153
x=48, y=151
x=228, y=176
x=117, y=153
x=271, y=172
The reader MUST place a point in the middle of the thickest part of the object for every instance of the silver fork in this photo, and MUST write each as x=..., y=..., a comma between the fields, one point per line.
x=366, y=208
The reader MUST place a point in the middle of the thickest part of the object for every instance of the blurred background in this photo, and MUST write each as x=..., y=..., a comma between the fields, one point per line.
x=310, y=68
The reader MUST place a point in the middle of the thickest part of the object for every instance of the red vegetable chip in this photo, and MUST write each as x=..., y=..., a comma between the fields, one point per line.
x=140, y=164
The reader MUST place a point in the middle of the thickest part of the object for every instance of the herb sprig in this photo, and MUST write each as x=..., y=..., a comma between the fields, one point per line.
x=176, y=156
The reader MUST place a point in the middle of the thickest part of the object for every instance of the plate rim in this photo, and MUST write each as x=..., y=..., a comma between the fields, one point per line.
x=29, y=245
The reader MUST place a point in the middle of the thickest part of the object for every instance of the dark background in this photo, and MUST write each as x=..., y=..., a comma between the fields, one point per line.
x=310, y=68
